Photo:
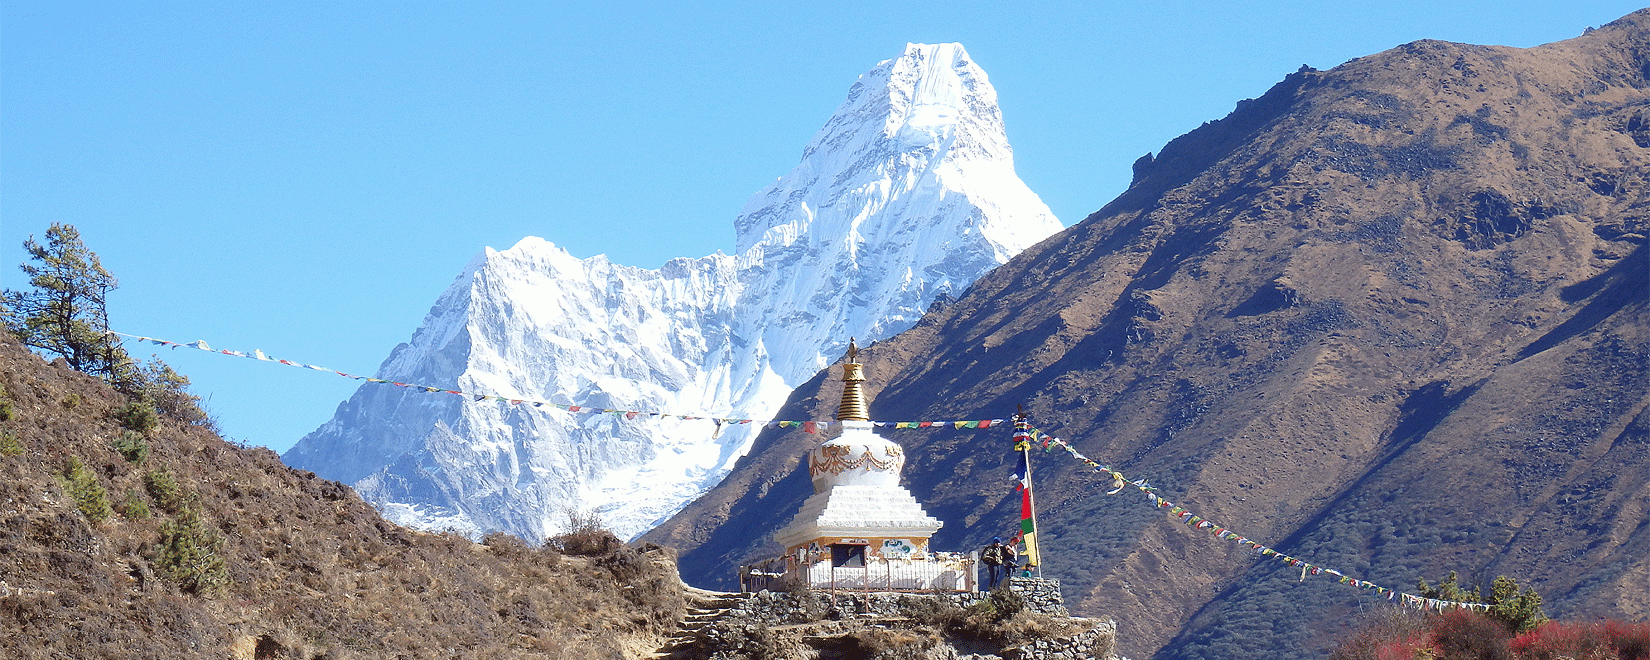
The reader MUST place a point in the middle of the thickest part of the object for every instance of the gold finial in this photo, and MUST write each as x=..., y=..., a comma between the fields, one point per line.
x=853, y=398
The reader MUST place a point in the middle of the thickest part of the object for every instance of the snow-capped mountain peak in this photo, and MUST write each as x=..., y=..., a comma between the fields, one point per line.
x=906, y=196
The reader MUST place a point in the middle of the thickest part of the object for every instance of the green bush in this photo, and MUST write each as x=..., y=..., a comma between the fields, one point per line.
x=132, y=445
x=165, y=489
x=7, y=412
x=1516, y=610
x=87, y=493
x=138, y=416
x=9, y=444
x=71, y=400
x=132, y=506
x=190, y=552
x=168, y=391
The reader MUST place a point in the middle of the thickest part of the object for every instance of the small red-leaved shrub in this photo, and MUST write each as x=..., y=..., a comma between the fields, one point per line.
x=1468, y=635
x=1603, y=640
x=1555, y=639
x=1631, y=641
x=1407, y=648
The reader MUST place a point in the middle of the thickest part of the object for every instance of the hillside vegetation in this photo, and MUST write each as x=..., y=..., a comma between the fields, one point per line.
x=126, y=534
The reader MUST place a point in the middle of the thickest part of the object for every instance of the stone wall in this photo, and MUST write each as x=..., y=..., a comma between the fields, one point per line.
x=841, y=612
x=1042, y=595
x=1097, y=643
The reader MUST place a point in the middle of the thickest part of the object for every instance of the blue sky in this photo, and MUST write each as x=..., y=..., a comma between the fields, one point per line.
x=305, y=178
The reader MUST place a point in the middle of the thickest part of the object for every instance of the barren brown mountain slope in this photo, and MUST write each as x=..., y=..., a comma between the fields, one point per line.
x=313, y=571
x=1389, y=318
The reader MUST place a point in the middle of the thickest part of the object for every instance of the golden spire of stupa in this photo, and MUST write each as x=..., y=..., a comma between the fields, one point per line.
x=853, y=398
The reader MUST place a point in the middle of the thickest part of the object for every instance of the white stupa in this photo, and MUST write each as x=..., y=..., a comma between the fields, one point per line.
x=861, y=528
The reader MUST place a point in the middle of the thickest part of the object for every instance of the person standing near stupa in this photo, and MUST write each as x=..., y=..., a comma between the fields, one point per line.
x=993, y=557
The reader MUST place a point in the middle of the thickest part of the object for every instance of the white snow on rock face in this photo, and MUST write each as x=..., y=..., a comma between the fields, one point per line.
x=905, y=197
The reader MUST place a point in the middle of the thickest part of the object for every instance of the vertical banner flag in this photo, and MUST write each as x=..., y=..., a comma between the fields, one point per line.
x=1028, y=515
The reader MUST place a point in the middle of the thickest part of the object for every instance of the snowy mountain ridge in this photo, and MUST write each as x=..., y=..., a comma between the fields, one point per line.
x=905, y=197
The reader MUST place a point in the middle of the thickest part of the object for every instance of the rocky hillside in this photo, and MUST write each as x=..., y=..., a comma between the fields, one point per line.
x=1389, y=318
x=170, y=543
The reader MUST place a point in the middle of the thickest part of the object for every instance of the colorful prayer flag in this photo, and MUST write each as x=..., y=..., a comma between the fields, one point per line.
x=1028, y=517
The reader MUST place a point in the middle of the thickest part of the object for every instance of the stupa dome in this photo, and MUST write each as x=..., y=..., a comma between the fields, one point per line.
x=856, y=458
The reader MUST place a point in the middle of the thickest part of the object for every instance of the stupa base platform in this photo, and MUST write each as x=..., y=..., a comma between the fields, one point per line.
x=934, y=572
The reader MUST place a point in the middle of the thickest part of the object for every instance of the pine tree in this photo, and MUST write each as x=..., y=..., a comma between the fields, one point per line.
x=1517, y=610
x=66, y=312
x=191, y=552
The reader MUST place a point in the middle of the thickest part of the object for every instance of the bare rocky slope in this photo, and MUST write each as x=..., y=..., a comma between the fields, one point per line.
x=1389, y=318
x=307, y=570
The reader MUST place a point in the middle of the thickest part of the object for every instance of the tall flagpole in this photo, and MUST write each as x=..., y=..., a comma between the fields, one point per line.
x=1030, y=537
x=1037, y=554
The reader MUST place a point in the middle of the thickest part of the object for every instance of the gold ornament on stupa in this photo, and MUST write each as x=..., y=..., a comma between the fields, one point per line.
x=853, y=397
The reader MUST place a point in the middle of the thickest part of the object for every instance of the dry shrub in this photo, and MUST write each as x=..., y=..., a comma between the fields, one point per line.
x=1028, y=626
x=585, y=536
x=1469, y=635
x=1389, y=633
x=925, y=609
x=1002, y=619
x=24, y=609
x=586, y=544
x=624, y=563
x=505, y=546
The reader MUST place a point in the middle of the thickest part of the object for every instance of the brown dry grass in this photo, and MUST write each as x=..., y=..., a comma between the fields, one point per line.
x=314, y=572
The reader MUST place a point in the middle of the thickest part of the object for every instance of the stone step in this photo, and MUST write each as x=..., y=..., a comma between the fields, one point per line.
x=704, y=608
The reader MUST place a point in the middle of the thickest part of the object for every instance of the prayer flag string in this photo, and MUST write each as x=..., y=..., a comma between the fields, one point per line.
x=1032, y=435
x=1036, y=436
x=810, y=426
